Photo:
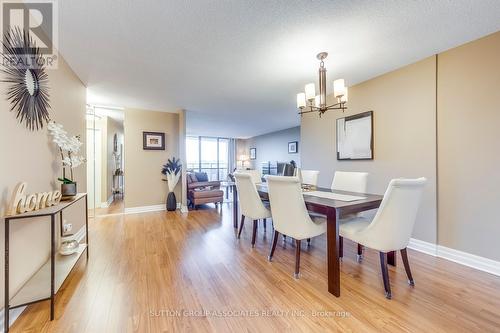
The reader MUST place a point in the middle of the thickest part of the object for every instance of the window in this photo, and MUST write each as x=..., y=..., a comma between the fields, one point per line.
x=208, y=154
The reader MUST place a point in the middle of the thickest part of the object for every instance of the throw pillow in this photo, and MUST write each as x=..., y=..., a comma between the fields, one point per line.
x=201, y=176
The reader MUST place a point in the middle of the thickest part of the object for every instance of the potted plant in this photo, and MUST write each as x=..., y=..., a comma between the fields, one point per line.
x=172, y=170
x=69, y=148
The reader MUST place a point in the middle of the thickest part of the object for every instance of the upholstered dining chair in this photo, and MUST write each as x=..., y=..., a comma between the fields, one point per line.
x=290, y=216
x=351, y=182
x=250, y=203
x=391, y=228
x=255, y=175
x=309, y=177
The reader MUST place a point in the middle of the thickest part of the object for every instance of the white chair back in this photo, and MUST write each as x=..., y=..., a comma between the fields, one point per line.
x=290, y=216
x=255, y=174
x=309, y=177
x=350, y=181
x=392, y=226
x=250, y=203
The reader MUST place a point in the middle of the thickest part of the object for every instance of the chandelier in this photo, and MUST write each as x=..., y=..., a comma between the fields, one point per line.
x=308, y=101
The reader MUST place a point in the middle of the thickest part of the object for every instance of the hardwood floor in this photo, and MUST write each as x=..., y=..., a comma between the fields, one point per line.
x=116, y=207
x=147, y=270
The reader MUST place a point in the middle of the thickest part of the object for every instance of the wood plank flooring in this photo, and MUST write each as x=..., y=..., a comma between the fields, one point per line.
x=116, y=207
x=155, y=272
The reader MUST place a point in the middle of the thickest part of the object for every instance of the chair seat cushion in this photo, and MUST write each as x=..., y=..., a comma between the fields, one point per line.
x=207, y=194
x=349, y=227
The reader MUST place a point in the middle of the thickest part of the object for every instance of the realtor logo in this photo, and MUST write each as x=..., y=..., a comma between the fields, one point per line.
x=37, y=19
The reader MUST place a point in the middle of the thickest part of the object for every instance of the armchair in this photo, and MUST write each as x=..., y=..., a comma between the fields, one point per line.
x=202, y=191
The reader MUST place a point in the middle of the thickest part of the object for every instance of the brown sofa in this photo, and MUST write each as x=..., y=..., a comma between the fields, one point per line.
x=202, y=192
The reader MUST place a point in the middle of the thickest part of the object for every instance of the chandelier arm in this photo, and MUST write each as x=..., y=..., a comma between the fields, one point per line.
x=309, y=111
x=336, y=104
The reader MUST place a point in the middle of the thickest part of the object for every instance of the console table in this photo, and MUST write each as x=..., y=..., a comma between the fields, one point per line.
x=57, y=268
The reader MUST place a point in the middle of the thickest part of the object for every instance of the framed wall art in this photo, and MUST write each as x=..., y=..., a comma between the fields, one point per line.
x=355, y=137
x=153, y=141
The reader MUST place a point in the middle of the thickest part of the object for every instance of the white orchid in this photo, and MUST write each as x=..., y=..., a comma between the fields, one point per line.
x=69, y=147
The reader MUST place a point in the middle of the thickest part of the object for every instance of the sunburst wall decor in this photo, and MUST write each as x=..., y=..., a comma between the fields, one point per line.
x=24, y=72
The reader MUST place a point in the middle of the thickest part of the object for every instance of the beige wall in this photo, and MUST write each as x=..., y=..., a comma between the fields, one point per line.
x=31, y=157
x=144, y=185
x=469, y=157
x=460, y=212
x=403, y=102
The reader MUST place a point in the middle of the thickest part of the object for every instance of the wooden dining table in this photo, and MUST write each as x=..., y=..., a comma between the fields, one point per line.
x=334, y=210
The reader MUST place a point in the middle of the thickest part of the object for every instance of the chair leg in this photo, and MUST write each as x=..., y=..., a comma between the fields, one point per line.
x=241, y=225
x=404, y=256
x=309, y=242
x=359, y=256
x=265, y=224
x=385, y=275
x=254, y=233
x=341, y=247
x=273, y=247
x=297, y=258
x=284, y=240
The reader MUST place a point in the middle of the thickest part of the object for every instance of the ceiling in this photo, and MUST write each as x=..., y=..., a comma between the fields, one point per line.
x=236, y=65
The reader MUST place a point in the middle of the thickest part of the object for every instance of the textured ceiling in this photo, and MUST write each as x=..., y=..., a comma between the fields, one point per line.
x=238, y=64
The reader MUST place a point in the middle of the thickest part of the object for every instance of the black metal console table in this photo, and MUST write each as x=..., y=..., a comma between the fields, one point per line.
x=58, y=266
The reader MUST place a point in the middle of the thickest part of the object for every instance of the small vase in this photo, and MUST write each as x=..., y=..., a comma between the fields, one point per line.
x=171, y=202
x=68, y=190
x=69, y=245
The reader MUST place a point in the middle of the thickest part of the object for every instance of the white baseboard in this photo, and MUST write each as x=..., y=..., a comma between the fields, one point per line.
x=13, y=315
x=184, y=209
x=107, y=203
x=144, y=209
x=460, y=257
x=424, y=247
x=470, y=260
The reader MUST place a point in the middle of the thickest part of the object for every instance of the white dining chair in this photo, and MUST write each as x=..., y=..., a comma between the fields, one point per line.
x=351, y=182
x=391, y=228
x=290, y=216
x=308, y=177
x=255, y=174
x=250, y=203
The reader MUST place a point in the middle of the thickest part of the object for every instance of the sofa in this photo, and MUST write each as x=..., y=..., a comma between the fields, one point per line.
x=202, y=191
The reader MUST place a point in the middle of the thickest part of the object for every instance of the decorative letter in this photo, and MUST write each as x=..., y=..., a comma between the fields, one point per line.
x=43, y=200
x=56, y=197
x=30, y=203
x=18, y=199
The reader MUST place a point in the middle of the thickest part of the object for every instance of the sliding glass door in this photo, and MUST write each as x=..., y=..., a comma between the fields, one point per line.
x=208, y=154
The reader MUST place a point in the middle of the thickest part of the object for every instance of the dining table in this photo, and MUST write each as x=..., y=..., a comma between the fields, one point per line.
x=333, y=209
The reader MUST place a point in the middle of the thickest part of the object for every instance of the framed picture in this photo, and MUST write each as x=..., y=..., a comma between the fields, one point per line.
x=355, y=137
x=253, y=153
x=153, y=141
x=293, y=147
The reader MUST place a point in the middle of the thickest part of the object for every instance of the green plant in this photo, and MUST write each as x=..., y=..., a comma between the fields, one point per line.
x=66, y=180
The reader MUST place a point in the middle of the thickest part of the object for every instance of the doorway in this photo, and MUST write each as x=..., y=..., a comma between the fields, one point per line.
x=105, y=160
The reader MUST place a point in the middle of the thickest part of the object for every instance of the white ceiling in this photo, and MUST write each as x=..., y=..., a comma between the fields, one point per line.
x=236, y=65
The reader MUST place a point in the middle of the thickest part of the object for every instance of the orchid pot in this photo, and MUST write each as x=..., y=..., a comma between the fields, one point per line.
x=69, y=150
